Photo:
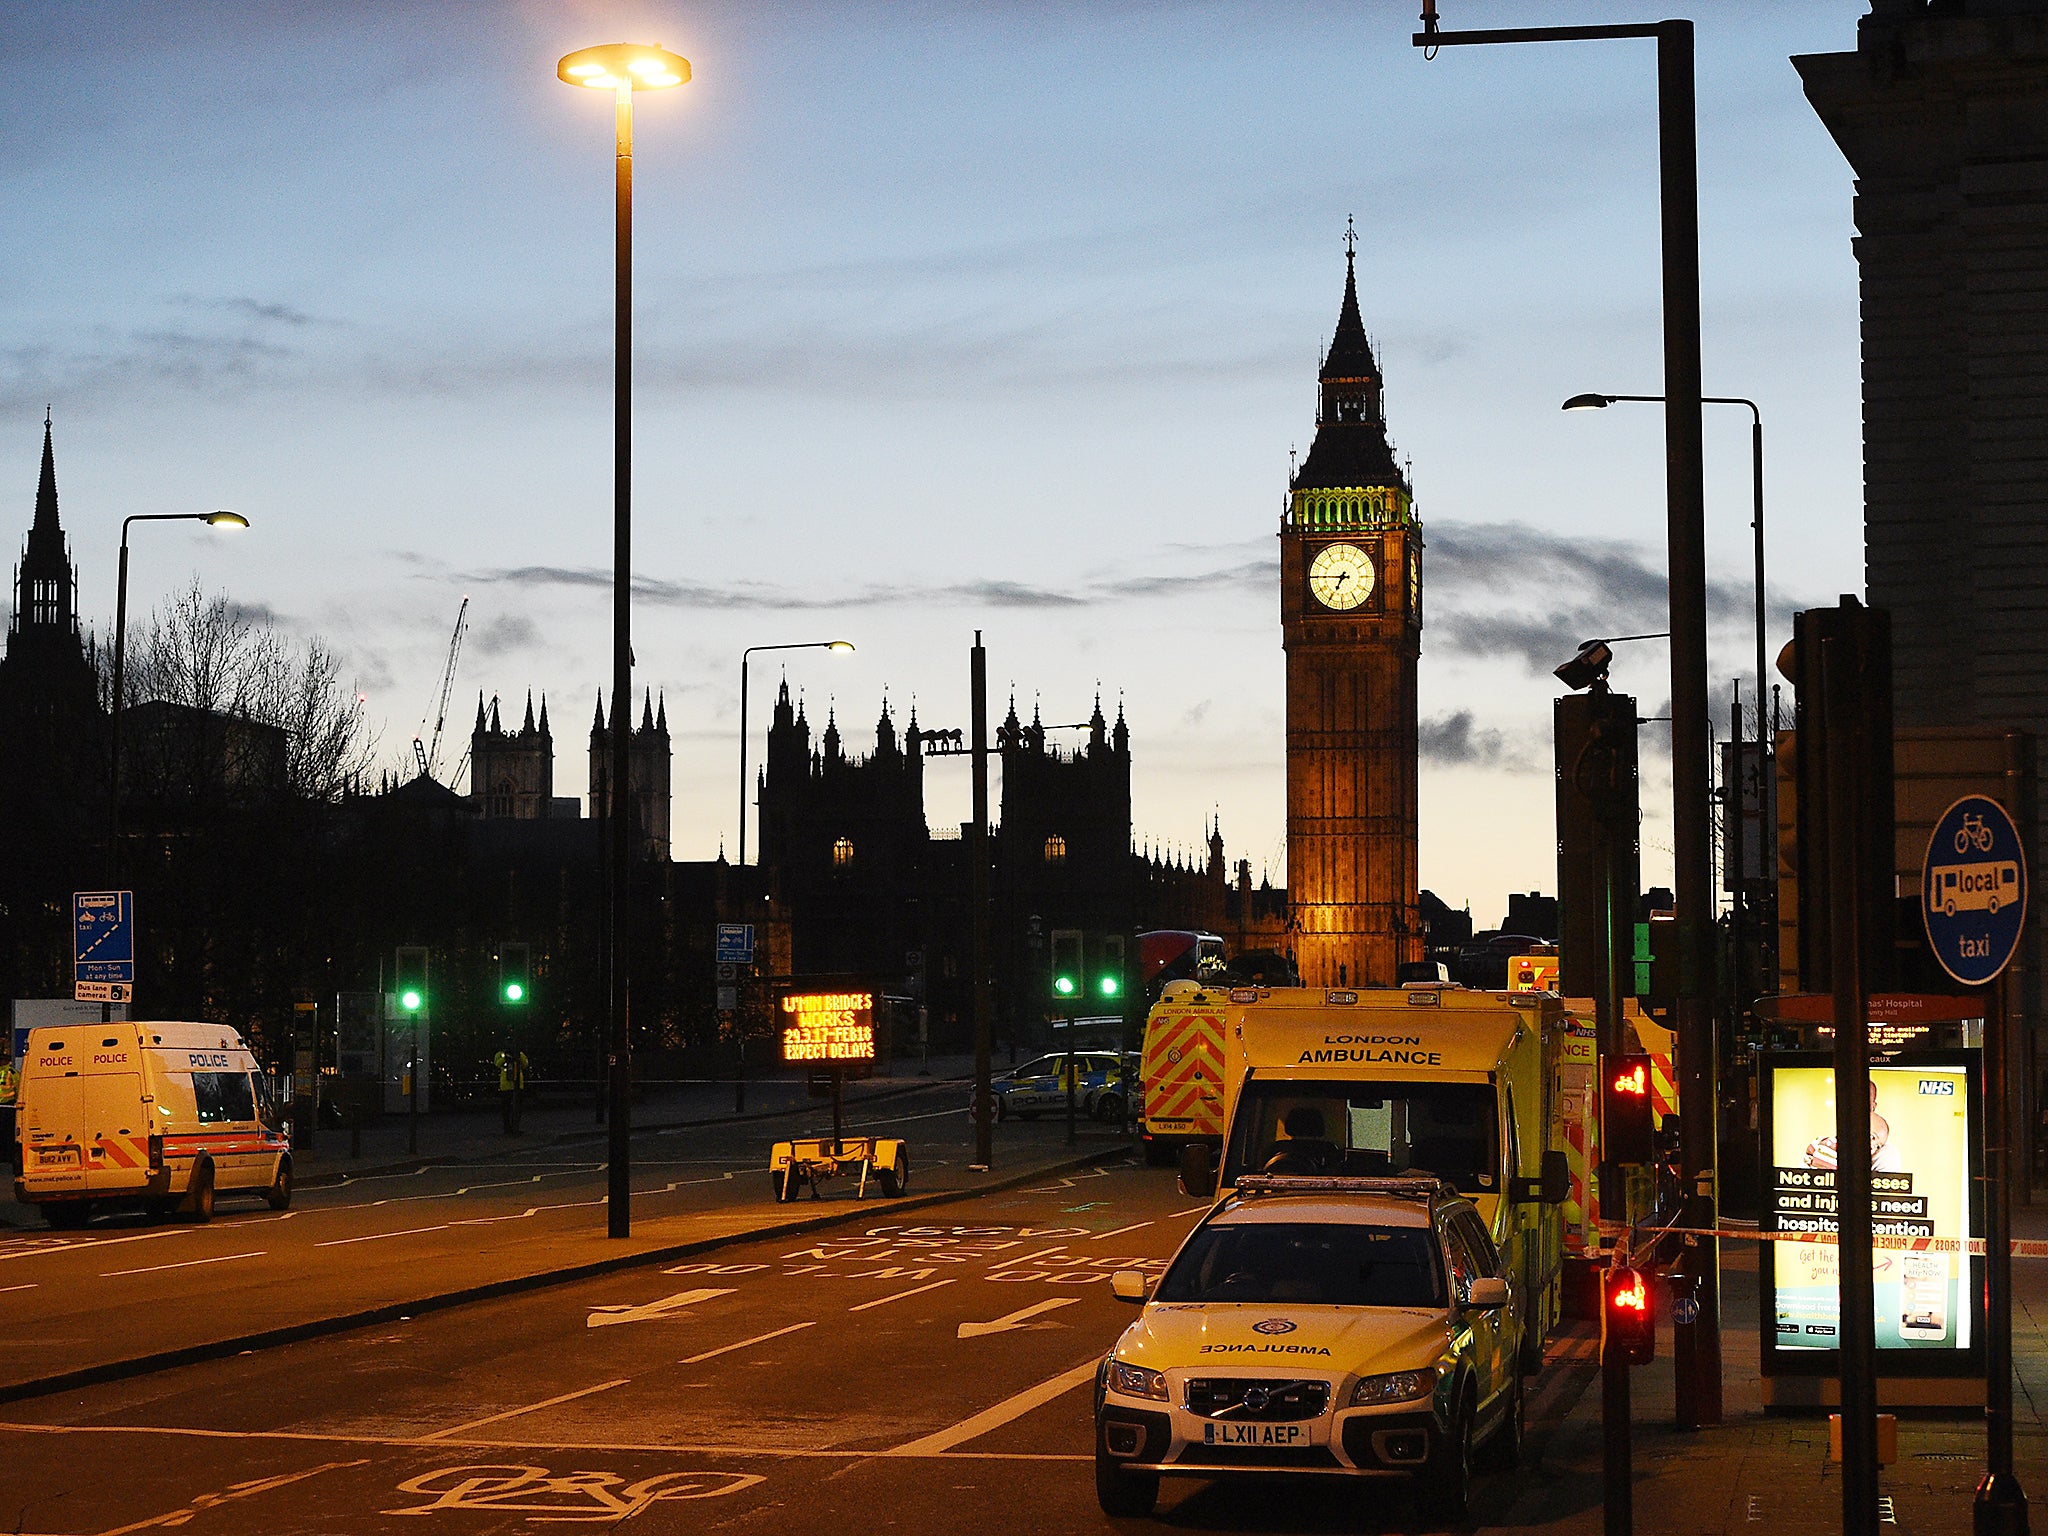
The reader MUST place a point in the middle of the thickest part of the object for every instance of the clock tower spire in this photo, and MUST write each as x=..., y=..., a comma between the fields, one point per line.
x=1351, y=622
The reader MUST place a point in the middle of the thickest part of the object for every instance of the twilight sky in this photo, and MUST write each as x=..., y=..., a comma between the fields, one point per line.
x=951, y=315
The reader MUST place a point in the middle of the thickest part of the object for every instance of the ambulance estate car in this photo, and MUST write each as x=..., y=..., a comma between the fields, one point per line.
x=1347, y=1327
x=164, y=1115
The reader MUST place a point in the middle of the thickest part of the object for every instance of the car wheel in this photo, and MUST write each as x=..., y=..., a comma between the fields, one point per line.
x=1449, y=1478
x=1121, y=1493
x=1504, y=1449
x=279, y=1196
x=66, y=1215
x=199, y=1199
x=1109, y=1107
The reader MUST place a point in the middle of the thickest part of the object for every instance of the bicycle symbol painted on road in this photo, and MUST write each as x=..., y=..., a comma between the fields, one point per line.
x=564, y=1497
x=1973, y=833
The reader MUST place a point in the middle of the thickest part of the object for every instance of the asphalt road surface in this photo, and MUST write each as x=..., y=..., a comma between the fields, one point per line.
x=926, y=1375
x=128, y=1285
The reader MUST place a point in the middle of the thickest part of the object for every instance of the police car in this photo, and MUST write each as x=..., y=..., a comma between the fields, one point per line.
x=1040, y=1087
x=1350, y=1327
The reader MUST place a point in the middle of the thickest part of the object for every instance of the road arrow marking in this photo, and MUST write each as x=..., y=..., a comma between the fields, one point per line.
x=1016, y=1319
x=653, y=1311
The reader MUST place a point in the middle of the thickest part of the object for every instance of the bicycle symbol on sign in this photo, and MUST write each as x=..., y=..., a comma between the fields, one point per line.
x=560, y=1497
x=1973, y=833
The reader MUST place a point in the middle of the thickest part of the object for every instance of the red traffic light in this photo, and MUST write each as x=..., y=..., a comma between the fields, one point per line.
x=1625, y=1110
x=1628, y=1321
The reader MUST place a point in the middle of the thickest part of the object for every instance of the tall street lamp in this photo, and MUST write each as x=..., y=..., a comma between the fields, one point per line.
x=1699, y=1351
x=212, y=520
x=841, y=646
x=1764, y=907
x=621, y=68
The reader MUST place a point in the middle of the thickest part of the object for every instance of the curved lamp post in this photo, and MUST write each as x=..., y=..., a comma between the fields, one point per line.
x=228, y=520
x=622, y=69
x=841, y=646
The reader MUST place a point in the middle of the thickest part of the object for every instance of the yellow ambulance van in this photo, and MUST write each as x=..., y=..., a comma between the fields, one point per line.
x=162, y=1115
x=1431, y=1079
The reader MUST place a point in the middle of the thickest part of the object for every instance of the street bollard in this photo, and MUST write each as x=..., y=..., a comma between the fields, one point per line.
x=1685, y=1322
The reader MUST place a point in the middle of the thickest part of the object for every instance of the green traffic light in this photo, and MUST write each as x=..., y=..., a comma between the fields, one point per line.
x=1110, y=986
x=410, y=1000
x=1064, y=985
x=514, y=992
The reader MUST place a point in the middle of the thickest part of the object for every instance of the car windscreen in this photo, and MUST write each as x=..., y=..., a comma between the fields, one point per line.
x=1367, y=1129
x=1310, y=1264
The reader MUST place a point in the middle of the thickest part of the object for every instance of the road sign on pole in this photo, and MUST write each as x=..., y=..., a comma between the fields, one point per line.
x=103, y=946
x=735, y=944
x=1973, y=889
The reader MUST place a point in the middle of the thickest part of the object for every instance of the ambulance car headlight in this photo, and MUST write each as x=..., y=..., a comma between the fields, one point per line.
x=1136, y=1381
x=1394, y=1387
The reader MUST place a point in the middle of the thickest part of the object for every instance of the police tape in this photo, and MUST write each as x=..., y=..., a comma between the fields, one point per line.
x=2021, y=1248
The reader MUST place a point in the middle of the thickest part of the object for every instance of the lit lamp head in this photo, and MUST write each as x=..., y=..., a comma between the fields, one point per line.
x=840, y=646
x=624, y=67
x=226, y=520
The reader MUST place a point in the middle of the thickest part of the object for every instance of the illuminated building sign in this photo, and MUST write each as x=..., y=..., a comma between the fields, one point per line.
x=828, y=1026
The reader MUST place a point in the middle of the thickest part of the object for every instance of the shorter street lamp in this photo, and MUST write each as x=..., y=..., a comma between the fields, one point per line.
x=841, y=647
x=212, y=520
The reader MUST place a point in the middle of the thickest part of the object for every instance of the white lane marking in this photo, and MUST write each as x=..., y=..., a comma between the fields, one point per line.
x=234, y=1491
x=653, y=1311
x=67, y=1245
x=883, y=1301
x=27, y=1285
x=513, y=1413
x=1191, y=1210
x=681, y=1448
x=1119, y=1232
x=374, y=1237
x=759, y=1338
x=1015, y=1319
x=112, y=1274
x=994, y=1418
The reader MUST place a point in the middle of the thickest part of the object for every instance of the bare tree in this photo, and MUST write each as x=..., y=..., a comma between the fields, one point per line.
x=224, y=670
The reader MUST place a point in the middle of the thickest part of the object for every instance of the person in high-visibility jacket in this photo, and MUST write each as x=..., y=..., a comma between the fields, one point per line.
x=511, y=1086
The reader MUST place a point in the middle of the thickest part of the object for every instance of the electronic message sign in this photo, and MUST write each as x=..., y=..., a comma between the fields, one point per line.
x=828, y=1027
x=1921, y=1141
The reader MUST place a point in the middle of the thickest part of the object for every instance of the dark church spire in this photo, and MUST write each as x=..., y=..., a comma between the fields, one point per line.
x=46, y=486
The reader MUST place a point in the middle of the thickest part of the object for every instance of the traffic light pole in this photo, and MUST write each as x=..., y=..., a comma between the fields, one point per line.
x=1857, y=1323
x=1617, y=1454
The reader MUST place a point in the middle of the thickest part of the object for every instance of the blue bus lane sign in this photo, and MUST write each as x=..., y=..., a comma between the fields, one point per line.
x=1973, y=889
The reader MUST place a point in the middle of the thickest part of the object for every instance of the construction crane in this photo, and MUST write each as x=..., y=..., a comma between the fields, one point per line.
x=429, y=756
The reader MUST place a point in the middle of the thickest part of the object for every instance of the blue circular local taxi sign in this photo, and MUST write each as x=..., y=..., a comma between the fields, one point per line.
x=1973, y=889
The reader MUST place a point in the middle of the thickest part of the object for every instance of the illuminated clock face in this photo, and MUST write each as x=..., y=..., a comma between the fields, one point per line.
x=1341, y=576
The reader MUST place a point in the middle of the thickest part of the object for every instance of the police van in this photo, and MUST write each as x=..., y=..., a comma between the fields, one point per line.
x=165, y=1115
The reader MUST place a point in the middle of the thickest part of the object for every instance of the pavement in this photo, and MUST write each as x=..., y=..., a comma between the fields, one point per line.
x=129, y=1292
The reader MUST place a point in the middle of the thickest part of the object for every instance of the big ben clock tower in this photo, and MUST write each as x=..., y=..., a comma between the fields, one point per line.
x=1351, y=619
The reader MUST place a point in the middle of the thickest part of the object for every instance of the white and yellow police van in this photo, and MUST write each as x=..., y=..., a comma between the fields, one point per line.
x=1317, y=1326
x=164, y=1115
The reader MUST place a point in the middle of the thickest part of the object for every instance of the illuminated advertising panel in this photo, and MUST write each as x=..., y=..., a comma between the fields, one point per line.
x=828, y=1027
x=1922, y=1138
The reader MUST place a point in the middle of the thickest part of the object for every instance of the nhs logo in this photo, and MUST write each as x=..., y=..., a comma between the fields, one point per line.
x=1939, y=1087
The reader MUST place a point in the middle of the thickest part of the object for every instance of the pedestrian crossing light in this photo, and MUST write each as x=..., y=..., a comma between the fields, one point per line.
x=514, y=973
x=1111, y=982
x=411, y=978
x=1625, y=1109
x=1109, y=986
x=1066, y=963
